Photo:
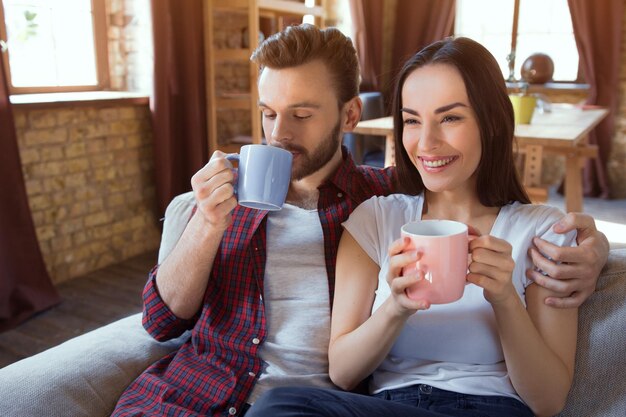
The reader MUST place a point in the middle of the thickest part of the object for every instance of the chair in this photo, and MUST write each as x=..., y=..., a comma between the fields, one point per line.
x=367, y=149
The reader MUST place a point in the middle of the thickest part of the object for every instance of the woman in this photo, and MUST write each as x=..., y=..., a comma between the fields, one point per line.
x=499, y=350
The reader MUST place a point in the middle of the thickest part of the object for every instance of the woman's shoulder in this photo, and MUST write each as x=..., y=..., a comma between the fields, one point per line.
x=537, y=218
x=393, y=207
x=394, y=200
x=536, y=212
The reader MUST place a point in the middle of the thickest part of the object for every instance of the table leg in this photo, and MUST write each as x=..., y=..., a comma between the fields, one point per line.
x=390, y=151
x=532, y=166
x=573, y=183
x=532, y=174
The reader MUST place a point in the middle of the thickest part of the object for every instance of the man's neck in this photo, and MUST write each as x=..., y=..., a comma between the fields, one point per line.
x=306, y=200
x=304, y=193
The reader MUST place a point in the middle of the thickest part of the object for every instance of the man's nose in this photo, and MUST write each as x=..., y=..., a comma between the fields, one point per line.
x=280, y=130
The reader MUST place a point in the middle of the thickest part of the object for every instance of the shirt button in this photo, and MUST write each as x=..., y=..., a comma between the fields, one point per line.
x=232, y=411
x=256, y=341
x=339, y=195
x=252, y=374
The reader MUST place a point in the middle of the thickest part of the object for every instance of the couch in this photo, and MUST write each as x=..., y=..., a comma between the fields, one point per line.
x=85, y=376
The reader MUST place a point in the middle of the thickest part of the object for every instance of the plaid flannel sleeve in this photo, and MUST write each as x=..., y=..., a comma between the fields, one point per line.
x=158, y=320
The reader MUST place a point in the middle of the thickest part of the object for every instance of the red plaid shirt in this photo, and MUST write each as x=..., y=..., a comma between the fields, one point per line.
x=215, y=370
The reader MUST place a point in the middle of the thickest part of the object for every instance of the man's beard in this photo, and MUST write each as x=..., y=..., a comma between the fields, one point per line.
x=321, y=155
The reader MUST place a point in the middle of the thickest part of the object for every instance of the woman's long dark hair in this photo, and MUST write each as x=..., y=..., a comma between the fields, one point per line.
x=497, y=182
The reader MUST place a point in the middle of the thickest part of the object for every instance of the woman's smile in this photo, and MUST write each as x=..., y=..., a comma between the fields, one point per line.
x=436, y=163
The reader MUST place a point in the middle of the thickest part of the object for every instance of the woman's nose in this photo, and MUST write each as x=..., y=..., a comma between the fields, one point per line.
x=429, y=138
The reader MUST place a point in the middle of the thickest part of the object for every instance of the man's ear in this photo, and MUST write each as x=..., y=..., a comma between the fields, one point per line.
x=352, y=113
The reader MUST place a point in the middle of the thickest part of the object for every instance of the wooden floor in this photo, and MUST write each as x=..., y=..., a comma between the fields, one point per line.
x=87, y=303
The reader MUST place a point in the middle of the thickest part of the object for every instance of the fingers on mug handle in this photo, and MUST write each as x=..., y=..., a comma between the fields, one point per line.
x=472, y=232
x=234, y=157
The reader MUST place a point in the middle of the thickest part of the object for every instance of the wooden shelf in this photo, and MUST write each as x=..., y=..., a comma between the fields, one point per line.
x=232, y=54
x=242, y=140
x=230, y=5
x=235, y=143
x=233, y=103
x=290, y=8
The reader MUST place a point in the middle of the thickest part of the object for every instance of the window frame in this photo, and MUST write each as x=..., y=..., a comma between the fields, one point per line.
x=514, y=35
x=100, y=40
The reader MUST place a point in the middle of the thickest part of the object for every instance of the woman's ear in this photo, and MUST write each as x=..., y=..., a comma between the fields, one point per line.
x=352, y=114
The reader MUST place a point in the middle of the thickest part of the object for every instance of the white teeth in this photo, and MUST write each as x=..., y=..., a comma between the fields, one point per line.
x=437, y=163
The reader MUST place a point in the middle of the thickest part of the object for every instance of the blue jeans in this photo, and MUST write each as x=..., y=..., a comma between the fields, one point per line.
x=415, y=401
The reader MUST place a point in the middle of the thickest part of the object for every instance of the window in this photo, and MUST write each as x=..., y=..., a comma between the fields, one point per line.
x=543, y=26
x=54, y=45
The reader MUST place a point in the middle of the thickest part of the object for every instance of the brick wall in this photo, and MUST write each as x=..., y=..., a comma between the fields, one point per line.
x=89, y=178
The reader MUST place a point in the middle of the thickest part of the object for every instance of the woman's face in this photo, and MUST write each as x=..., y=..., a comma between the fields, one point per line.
x=440, y=130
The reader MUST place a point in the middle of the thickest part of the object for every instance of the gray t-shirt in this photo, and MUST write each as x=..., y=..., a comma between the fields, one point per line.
x=297, y=305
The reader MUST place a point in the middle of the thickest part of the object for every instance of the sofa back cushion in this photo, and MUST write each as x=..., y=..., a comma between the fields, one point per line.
x=83, y=376
x=599, y=387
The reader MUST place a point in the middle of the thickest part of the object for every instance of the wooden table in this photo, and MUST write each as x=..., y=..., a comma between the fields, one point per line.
x=563, y=131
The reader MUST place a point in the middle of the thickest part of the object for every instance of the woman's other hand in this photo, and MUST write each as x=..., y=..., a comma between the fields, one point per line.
x=491, y=268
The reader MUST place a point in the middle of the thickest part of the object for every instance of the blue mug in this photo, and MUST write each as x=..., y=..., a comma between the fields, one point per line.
x=264, y=176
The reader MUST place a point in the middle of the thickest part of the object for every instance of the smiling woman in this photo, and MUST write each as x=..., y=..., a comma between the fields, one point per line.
x=66, y=38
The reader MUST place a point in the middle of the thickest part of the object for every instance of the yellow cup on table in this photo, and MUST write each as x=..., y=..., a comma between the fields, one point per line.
x=523, y=107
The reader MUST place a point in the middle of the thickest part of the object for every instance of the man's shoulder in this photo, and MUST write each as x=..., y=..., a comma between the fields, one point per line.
x=380, y=181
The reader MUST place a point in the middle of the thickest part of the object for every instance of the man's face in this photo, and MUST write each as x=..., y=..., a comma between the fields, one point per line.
x=301, y=115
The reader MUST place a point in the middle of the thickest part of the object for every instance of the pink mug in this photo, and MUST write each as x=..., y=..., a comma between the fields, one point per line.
x=444, y=247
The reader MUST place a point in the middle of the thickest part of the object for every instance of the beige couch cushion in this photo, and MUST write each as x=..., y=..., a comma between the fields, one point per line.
x=83, y=376
x=600, y=378
x=177, y=215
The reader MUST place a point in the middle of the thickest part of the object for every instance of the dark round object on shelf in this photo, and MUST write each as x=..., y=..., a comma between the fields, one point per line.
x=537, y=69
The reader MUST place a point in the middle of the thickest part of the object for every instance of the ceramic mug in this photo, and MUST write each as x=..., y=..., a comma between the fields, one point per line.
x=444, y=247
x=264, y=176
x=523, y=108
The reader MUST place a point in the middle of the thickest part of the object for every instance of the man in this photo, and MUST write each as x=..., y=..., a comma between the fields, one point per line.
x=256, y=287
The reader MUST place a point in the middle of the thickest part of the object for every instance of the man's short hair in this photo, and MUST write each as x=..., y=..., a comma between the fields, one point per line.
x=299, y=45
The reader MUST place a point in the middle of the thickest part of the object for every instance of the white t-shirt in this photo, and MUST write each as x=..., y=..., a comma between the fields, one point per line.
x=297, y=303
x=450, y=346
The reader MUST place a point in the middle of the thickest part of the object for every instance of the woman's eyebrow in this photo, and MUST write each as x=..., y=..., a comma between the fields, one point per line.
x=449, y=107
x=441, y=109
x=410, y=111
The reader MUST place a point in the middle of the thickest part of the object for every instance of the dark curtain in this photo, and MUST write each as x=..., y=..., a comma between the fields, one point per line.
x=179, y=115
x=25, y=286
x=418, y=24
x=367, y=26
x=598, y=32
